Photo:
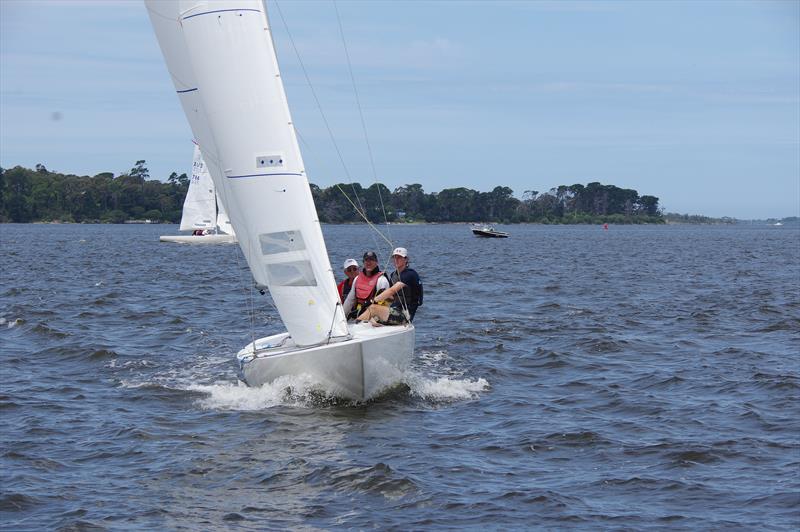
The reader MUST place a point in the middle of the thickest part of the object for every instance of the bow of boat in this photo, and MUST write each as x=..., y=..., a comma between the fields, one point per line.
x=358, y=368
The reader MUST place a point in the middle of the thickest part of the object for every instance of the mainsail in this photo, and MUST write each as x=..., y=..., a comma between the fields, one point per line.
x=222, y=62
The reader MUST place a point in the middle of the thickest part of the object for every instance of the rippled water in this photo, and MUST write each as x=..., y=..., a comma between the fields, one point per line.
x=566, y=377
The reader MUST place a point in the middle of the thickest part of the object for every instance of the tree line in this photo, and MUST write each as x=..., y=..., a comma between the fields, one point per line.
x=32, y=195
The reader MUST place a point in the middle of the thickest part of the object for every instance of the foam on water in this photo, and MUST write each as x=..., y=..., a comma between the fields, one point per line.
x=433, y=378
x=288, y=390
x=11, y=323
x=303, y=391
x=437, y=379
x=445, y=389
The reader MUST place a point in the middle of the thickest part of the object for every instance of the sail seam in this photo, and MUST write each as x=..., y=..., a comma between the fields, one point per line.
x=219, y=11
x=260, y=175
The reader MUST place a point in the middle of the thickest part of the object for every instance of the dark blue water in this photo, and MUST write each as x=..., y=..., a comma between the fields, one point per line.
x=567, y=377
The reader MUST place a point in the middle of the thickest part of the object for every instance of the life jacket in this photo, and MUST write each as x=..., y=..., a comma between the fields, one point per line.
x=365, y=287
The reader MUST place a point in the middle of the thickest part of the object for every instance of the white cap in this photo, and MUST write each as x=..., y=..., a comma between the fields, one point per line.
x=350, y=262
x=400, y=251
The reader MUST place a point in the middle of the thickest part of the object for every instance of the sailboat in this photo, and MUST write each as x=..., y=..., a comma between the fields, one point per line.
x=203, y=212
x=221, y=58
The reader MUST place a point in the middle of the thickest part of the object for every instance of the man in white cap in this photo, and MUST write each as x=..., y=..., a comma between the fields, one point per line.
x=405, y=290
x=351, y=271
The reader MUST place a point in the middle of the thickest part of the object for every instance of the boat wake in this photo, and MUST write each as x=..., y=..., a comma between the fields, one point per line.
x=432, y=379
x=302, y=391
x=289, y=390
x=445, y=389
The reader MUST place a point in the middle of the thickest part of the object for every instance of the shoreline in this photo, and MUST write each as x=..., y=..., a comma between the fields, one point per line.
x=784, y=222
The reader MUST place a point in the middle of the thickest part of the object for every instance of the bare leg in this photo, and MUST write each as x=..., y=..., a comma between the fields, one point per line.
x=375, y=311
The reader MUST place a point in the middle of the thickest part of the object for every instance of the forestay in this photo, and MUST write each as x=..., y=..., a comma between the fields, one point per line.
x=222, y=61
x=200, y=205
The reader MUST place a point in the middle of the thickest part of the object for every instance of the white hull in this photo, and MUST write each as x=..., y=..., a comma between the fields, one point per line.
x=373, y=360
x=205, y=239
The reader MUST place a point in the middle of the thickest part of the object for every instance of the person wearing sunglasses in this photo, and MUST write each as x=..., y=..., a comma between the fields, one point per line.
x=369, y=282
x=350, y=271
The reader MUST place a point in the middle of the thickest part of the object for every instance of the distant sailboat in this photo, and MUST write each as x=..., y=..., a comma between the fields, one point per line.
x=222, y=61
x=203, y=212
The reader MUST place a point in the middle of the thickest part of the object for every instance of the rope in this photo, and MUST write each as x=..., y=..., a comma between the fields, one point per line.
x=363, y=122
x=364, y=216
x=361, y=211
x=313, y=92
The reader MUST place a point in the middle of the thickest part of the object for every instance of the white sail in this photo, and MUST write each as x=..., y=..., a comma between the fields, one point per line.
x=222, y=61
x=200, y=205
x=223, y=220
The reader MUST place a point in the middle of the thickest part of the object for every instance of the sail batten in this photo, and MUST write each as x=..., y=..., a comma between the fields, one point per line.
x=239, y=116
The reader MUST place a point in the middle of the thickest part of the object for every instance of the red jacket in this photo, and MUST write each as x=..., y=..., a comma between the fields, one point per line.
x=344, y=288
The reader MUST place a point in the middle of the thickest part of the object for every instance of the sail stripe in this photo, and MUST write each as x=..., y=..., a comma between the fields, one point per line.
x=260, y=175
x=220, y=11
x=187, y=90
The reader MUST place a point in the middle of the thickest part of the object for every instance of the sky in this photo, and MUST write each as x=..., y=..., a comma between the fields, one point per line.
x=696, y=102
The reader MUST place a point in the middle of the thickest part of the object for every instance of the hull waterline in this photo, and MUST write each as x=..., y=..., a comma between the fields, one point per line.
x=360, y=368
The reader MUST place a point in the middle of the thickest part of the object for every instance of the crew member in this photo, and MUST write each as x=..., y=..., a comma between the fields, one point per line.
x=369, y=282
x=350, y=271
x=406, y=291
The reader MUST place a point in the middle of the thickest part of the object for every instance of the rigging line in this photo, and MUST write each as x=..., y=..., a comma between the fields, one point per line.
x=313, y=92
x=250, y=299
x=359, y=212
x=364, y=216
x=363, y=122
x=333, y=321
x=319, y=107
x=223, y=193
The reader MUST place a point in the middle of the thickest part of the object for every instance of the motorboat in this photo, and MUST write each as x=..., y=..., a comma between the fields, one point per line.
x=488, y=231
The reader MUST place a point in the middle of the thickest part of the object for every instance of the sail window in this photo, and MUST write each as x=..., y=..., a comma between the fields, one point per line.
x=297, y=273
x=281, y=242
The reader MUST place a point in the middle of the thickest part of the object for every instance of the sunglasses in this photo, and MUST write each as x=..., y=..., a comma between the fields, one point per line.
x=352, y=269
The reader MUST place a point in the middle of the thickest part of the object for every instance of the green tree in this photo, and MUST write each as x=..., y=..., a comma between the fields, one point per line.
x=17, y=194
x=140, y=170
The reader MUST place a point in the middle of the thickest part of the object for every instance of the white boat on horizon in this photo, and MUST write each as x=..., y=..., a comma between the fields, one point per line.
x=222, y=61
x=203, y=212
